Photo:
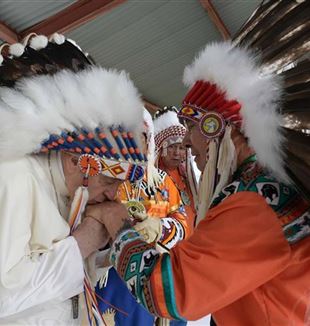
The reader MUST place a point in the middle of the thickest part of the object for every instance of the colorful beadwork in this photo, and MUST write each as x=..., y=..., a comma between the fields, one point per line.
x=137, y=263
x=175, y=132
x=191, y=112
x=89, y=165
x=123, y=161
x=207, y=97
x=212, y=125
x=292, y=211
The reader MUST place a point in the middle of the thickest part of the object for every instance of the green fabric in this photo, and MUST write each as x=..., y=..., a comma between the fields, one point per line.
x=168, y=287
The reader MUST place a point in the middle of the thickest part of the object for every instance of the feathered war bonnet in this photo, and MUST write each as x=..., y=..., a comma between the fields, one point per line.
x=53, y=99
x=168, y=130
x=227, y=88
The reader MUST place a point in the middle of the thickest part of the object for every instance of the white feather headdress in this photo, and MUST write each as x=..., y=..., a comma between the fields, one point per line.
x=167, y=128
x=236, y=73
x=40, y=106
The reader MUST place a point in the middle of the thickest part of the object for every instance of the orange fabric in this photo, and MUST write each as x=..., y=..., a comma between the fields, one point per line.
x=182, y=186
x=160, y=206
x=156, y=283
x=238, y=266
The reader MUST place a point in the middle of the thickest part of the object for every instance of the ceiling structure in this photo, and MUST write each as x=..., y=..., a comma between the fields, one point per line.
x=151, y=39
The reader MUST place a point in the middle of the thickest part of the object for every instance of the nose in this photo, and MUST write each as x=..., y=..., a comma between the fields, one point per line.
x=186, y=141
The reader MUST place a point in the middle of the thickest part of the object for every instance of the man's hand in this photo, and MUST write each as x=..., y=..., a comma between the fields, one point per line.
x=90, y=236
x=150, y=228
x=112, y=214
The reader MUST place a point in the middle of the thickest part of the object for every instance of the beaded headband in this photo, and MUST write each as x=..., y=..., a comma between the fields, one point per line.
x=208, y=106
x=122, y=160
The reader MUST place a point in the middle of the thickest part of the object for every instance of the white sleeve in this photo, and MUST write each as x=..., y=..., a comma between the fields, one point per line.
x=38, y=261
x=57, y=275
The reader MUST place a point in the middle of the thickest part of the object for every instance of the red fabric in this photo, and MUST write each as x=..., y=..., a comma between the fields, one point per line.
x=238, y=266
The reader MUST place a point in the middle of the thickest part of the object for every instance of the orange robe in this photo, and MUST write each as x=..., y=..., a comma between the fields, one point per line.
x=250, y=276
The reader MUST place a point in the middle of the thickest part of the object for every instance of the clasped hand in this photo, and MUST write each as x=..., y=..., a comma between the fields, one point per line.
x=114, y=216
x=111, y=214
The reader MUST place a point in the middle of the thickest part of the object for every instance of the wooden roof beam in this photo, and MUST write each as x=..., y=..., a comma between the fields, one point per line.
x=151, y=107
x=215, y=17
x=73, y=16
x=7, y=34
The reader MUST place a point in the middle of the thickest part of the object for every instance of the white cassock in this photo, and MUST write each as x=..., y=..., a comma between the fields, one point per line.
x=41, y=266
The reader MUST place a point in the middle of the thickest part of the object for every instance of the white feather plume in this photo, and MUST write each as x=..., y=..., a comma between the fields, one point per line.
x=42, y=105
x=235, y=71
x=153, y=176
x=16, y=49
x=166, y=120
x=57, y=38
x=38, y=42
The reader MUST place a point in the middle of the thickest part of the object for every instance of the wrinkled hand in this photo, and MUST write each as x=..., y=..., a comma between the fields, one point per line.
x=150, y=228
x=112, y=214
x=90, y=236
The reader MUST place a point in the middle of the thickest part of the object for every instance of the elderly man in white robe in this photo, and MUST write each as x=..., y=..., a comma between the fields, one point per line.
x=65, y=142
